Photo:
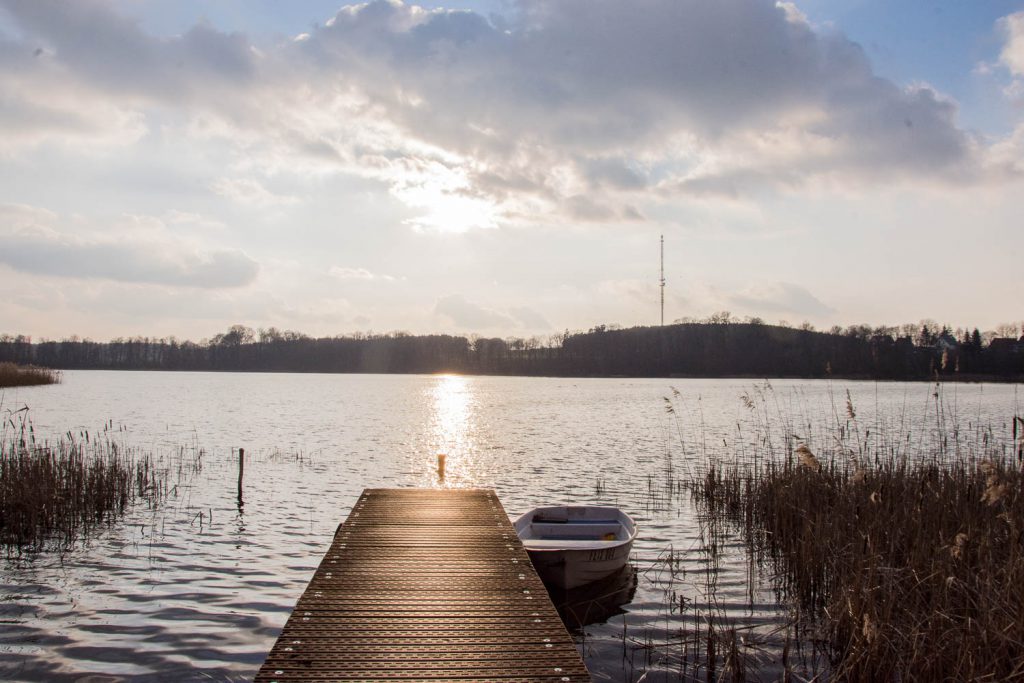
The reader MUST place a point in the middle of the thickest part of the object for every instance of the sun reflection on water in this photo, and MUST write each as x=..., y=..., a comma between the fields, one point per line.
x=452, y=431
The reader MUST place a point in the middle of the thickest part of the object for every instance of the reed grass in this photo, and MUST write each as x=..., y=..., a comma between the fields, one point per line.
x=14, y=375
x=907, y=570
x=52, y=496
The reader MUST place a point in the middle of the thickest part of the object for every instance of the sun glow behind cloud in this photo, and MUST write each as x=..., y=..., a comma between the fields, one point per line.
x=440, y=193
x=446, y=212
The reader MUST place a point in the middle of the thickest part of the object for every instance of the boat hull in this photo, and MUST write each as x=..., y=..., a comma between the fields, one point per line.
x=568, y=568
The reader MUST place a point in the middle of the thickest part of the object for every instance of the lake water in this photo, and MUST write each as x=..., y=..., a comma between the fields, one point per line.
x=199, y=588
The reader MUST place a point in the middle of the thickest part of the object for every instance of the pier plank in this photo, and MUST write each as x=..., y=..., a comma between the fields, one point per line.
x=425, y=585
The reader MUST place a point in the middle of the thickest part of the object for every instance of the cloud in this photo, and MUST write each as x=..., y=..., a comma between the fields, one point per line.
x=83, y=74
x=1012, y=55
x=24, y=215
x=470, y=316
x=113, y=54
x=250, y=193
x=577, y=81
x=30, y=118
x=641, y=292
x=29, y=245
x=529, y=318
x=1010, y=151
x=780, y=297
x=575, y=110
x=345, y=273
x=192, y=220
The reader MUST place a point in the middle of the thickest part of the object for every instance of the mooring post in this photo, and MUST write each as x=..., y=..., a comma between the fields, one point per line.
x=241, y=472
x=441, y=457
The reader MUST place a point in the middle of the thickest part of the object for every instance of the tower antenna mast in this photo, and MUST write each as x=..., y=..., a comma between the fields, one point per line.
x=661, y=281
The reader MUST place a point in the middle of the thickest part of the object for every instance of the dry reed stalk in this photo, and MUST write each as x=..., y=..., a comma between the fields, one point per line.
x=52, y=496
x=915, y=572
x=13, y=375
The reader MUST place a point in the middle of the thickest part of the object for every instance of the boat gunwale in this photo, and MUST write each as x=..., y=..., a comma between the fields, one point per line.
x=622, y=518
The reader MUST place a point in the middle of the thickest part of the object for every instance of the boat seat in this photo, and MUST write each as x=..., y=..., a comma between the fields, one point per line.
x=541, y=519
x=565, y=544
x=596, y=532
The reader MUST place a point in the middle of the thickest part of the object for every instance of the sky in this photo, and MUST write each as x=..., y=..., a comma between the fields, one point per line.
x=506, y=167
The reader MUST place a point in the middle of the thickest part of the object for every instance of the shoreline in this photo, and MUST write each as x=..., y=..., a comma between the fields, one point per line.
x=957, y=378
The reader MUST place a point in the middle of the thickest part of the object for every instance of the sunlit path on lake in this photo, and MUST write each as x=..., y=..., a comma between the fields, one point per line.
x=452, y=431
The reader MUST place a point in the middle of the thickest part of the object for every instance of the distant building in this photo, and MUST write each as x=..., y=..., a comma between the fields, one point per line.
x=1005, y=346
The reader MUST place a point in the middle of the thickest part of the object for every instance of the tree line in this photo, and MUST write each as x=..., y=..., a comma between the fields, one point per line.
x=715, y=347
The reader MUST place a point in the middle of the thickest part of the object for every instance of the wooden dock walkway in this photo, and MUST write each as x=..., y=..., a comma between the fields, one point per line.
x=425, y=585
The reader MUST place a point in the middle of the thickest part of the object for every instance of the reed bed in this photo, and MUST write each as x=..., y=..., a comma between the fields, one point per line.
x=903, y=570
x=51, y=496
x=14, y=375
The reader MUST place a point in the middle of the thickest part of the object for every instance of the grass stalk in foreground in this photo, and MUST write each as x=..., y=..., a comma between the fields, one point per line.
x=913, y=571
x=13, y=375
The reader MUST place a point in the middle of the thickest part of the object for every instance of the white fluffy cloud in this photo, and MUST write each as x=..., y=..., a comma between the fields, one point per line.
x=1012, y=55
x=576, y=109
x=575, y=98
x=30, y=243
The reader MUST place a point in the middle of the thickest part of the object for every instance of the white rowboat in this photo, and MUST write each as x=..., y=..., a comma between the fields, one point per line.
x=574, y=545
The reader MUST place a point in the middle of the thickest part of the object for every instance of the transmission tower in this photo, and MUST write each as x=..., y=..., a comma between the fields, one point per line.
x=661, y=281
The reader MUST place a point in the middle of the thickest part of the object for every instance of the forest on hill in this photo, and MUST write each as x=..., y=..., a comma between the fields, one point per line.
x=716, y=348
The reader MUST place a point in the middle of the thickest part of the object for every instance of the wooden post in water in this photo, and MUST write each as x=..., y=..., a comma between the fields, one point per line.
x=241, y=473
x=441, y=457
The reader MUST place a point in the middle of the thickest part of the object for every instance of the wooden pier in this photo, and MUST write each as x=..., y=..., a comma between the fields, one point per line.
x=425, y=585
